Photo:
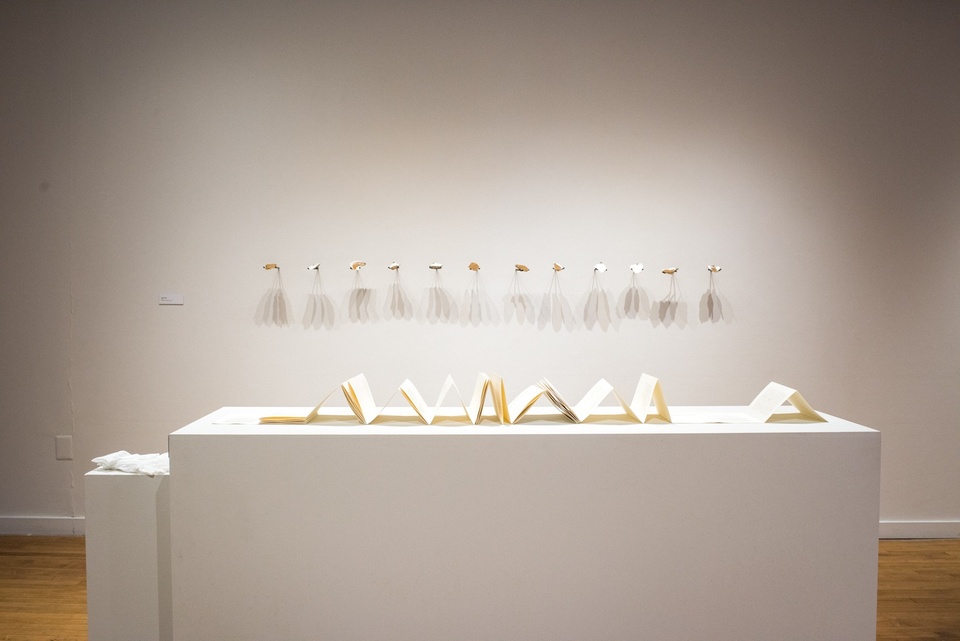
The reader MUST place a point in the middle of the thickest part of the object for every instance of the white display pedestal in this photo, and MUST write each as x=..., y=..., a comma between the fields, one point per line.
x=553, y=532
x=128, y=556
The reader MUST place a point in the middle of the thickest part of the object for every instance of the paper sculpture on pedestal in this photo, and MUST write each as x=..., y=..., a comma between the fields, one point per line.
x=778, y=402
x=647, y=404
x=357, y=393
x=648, y=391
x=428, y=415
x=513, y=411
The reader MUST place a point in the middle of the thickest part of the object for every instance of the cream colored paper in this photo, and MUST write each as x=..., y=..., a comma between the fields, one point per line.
x=415, y=399
x=592, y=399
x=523, y=402
x=589, y=405
x=360, y=399
x=768, y=406
x=296, y=419
x=650, y=392
x=498, y=394
x=775, y=403
x=290, y=418
x=558, y=401
x=509, y=412
x=430, y=414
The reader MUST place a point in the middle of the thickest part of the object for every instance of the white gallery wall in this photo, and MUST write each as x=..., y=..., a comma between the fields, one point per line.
x=812, y=150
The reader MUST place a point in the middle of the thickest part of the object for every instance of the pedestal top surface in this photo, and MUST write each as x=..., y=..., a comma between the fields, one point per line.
x=538, y=421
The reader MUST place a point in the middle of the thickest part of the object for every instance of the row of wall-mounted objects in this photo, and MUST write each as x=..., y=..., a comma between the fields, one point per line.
x=597, y=307
x=647, y=404
x=636, y=268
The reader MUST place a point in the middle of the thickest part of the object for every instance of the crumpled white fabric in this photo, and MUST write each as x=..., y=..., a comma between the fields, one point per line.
x=146, y=464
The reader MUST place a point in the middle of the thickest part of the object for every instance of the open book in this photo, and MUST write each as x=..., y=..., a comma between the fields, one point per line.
x=472, y=411
x=774, y=403
x=778, y=402
x=290, y=418
x=294, y=419
x=582, y=410
x=359, y=398
x=648, y=391
x=647, y=403
x=515, y=409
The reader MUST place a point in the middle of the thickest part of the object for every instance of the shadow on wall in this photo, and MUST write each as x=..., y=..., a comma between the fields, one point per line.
x=437, y=304
x=319, y=312
x=555, y=309
x=634, y=301
x=477, y=308
x=594, y=307
x=274, y=308
x=671, y=309
x=714, y=307
x=517, y=304
x=361, y=302
x=398, y=305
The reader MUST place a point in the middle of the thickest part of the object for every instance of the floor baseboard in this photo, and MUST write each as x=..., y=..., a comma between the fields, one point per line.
x=920, y=529
x=43, y=525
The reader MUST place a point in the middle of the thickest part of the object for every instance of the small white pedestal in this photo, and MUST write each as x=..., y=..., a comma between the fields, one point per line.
x=128, y=557
x=552, y=532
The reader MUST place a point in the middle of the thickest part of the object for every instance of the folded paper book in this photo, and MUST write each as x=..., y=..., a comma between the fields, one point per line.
x=471, y=412
x=775, y=403
x=648, y=391
x=778, y=402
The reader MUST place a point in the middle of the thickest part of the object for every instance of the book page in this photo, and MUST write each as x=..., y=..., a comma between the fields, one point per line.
x=523, y=402
x=768, y=405
x=592, y=399
x=804, y=410
x=414, y=398
x=458, y=411
x=558, y=401
x=430, y=414
x=294, y=419
x=352, y=401
x=624, y=406
x=475, y=409
x=663, y=410
x=649, y=392
x=289, y=418
x=498, y=389
x=360, y=398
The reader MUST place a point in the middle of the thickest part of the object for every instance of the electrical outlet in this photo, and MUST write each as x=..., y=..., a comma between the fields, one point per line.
x=65, y=448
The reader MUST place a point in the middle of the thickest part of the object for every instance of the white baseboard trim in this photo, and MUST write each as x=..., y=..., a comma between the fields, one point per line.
x=43, y=525
x=75, y=526
x=920, y=529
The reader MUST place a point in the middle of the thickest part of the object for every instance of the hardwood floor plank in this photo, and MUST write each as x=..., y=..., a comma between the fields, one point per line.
x=43, y=589
x=919, y=590
x=43, y=592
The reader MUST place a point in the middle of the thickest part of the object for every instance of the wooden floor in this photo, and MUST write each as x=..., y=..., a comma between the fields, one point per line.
x=43, y=594
x=918, y=596
x=43, y=588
